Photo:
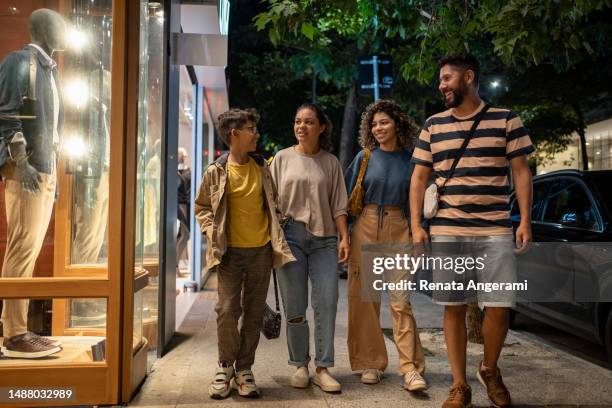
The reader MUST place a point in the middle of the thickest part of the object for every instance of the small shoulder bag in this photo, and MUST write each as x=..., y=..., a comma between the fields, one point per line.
x=272, y=318
x=355, y=202
x=431, y=200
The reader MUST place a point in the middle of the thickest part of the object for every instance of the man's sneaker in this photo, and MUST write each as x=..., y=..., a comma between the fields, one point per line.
x=28, y=345
x=371, y=376
x=326, y=382
x=413, y=381
x=244, y=382
x=496, y=390
x=301, y=378
x=220, y=386
x=459, y=396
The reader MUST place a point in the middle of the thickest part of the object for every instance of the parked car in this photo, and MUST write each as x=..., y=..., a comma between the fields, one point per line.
x=571, y=208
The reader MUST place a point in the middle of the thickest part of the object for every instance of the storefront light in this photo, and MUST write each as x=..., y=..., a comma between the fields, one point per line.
x=74, y=147
x=76, y=92
x=77, y=39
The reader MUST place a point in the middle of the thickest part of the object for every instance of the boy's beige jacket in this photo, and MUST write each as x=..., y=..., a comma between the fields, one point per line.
x=211, y=212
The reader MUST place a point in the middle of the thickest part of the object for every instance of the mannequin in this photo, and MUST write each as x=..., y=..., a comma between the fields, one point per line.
x=31, y=113
x=183, y=211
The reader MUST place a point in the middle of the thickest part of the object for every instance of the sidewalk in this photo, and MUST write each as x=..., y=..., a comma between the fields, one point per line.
x=536, y=374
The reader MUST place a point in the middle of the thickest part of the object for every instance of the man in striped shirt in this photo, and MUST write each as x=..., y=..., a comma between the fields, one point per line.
x=474, y=208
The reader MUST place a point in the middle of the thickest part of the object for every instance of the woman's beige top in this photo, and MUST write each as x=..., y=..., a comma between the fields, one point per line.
x=311, y=189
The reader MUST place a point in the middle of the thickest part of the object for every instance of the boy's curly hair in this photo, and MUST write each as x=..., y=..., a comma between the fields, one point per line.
x=235, y=119
x=406, y=129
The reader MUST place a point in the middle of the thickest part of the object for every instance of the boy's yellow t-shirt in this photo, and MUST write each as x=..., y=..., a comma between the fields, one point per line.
x=247, y=219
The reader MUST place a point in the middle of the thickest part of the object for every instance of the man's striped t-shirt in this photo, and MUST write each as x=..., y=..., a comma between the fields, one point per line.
x=475, y=201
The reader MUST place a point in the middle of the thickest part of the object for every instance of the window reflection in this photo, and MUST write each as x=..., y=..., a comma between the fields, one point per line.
x=87, y=146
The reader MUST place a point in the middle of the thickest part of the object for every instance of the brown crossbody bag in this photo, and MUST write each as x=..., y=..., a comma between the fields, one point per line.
x=355, y=202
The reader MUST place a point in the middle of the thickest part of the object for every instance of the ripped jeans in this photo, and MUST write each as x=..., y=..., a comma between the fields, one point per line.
x=317, y=260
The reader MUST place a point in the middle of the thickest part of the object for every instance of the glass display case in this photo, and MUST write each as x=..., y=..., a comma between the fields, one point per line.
x=80, y=347
x=87, y=94
x=148, y=173
x=86, y=291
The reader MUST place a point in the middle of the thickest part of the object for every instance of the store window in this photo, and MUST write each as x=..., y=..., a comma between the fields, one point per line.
x=55, y=105
x=599, y=150
x=87, y=95
x=148, y=194
x=66, y=107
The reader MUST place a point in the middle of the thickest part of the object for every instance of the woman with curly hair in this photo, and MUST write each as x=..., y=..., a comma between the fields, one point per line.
x=312, y=198
x=387, y=137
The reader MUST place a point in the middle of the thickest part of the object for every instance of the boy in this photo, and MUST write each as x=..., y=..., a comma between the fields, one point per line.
x=236, y=209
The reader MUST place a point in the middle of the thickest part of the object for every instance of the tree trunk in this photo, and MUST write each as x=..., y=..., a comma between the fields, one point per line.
x=474, y=324
x=582, y=134
x=348, y=135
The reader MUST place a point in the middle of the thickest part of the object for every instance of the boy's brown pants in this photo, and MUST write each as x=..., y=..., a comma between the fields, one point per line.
x=243, y=279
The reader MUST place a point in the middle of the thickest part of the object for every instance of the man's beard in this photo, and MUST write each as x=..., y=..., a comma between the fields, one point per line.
x=458, y=96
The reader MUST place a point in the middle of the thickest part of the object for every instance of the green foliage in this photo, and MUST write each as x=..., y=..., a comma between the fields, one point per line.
x=513, y=39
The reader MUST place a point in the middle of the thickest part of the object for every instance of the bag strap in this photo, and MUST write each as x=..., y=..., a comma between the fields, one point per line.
x=463, y=147
x=275, y=290
x=32, y=80
x=362, y=168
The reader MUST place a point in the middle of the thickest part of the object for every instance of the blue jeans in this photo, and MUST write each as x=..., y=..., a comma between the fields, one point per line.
x=317, y=259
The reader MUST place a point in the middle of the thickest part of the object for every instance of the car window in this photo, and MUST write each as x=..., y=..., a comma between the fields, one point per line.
x=569, y=204
x=540, y=192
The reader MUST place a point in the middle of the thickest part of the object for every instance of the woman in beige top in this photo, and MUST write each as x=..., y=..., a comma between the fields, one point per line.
x=312, y=197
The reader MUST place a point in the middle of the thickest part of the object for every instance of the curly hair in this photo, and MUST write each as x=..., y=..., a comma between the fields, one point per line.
x=407, y=131
x=325, y=142
x=235, y=119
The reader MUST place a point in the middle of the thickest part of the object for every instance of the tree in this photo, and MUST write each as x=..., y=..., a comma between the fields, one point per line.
x=508, y=37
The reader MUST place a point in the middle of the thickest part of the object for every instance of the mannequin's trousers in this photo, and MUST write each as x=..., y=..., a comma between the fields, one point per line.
x=366, y=344
x=27, y=219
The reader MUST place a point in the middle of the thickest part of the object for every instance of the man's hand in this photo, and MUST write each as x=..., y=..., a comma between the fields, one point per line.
x=343, y=250
x=523, y=238
x=419, y=235
x=28, y=176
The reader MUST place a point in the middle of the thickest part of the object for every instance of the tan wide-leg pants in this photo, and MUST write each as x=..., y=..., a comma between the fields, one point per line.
x=366, y=344
x=27, y=219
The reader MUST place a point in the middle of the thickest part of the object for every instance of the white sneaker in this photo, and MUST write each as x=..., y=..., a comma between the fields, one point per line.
x=220, y=387
x=244, y=382
x=371, y=376
x=326, y=382
x=301, y=378
x=413, y=381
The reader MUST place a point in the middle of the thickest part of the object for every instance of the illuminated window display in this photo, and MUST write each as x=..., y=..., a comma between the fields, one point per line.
x=78, y=289
x=31, y=109
x=148, y=192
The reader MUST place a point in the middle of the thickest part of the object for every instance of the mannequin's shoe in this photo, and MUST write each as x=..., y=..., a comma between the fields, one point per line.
x=28, y=345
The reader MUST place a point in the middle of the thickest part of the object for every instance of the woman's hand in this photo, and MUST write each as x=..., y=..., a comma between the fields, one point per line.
x=343, y=238
x=343, y=250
